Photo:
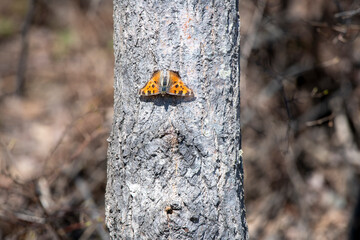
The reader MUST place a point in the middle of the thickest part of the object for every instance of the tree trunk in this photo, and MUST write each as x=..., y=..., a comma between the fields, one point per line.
x=174, y=163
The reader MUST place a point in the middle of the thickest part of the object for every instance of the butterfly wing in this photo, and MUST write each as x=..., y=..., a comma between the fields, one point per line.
x=177, y=86
x=152, y=87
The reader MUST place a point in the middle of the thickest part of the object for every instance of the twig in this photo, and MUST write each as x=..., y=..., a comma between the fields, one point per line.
x=87, y=141
x=5, y=170
x=30, y=218
x=320, y=121
x=63, y=135
x=52, y=232
x=60, y=140
x=275, y=85
x=253, y=29
x=83, y=188
x=20, y=80
x=299, y=187
x=45, y=197
x=347, y=14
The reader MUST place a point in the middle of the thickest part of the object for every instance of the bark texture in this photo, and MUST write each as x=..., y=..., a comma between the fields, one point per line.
x=174, y=164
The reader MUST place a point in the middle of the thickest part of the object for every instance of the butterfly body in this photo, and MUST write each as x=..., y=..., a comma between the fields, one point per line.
x=165, y=82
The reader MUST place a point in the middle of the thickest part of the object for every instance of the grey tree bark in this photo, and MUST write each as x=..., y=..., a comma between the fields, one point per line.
x=174, y=164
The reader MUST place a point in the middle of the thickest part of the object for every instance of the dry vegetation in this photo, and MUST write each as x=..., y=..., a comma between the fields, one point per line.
x=53, y=138
x=300, y=118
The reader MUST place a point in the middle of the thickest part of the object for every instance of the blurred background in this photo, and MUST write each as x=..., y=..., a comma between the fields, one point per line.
x=300, y=98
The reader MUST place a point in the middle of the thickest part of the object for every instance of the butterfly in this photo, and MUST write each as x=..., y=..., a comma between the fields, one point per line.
x=165, y=82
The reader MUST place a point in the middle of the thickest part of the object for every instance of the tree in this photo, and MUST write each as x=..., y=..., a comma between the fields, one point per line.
x=174, y=164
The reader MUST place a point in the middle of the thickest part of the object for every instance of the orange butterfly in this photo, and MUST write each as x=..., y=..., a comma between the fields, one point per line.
x=165, y=82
